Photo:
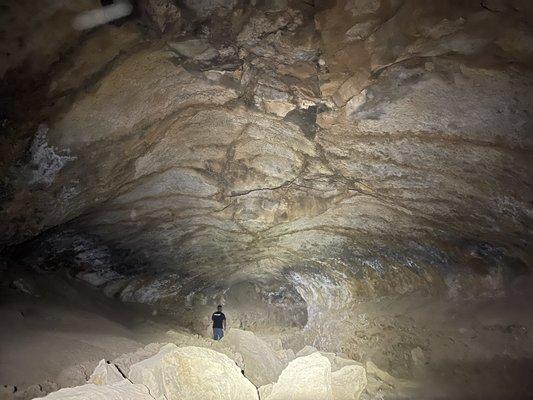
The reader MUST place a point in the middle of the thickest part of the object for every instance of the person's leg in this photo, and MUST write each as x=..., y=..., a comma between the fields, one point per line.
x=217, y=333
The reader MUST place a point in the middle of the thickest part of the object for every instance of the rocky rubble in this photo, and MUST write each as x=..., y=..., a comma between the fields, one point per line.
x=192, y=372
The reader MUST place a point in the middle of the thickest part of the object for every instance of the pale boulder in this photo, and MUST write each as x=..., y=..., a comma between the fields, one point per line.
x=348, y=382
x=261, y=364
x=190, y=373
x=126, y=360
x=304, y=378
x=123, y=390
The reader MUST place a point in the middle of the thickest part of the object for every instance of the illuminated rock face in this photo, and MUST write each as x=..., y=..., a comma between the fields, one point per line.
x=321, y=154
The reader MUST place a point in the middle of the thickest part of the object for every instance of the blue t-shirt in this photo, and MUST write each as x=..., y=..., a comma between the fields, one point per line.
x=217, y=318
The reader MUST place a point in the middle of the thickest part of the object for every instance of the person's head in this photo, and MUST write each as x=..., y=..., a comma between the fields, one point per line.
x=219, y=307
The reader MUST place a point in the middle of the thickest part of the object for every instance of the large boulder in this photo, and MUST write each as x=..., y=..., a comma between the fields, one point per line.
x=304, y=378
x=126, y=360
x=190, y=373
x=261, y=364
x=348, y=382
x=123, y=390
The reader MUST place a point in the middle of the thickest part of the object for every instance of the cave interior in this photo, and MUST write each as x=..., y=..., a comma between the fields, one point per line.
x=352, y=175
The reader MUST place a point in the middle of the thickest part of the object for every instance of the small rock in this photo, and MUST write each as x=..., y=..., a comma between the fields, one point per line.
x=429, y=66
x=195, y=49
x=21, y=285
x=307, y=350
x=49, y=387
x=280, y=108
x=286, y=356
x=105, y=373
x=372, y=369
x=360, y=30
x=419, y=361
x=7, y=392
x=265, y=391
x=30, y=392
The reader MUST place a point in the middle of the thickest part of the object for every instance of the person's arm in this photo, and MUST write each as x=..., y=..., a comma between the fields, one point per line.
x=224, y=322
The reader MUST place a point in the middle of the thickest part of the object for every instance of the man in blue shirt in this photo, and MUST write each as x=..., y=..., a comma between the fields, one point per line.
x=219, y=323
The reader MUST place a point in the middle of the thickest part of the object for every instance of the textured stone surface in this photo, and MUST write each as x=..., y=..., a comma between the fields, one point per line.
x=264, y=391
x=123, y=390
x=348, y=382
x=105, y=373
x=165, y=14
x=348, y=151
x=306, y=377
x=261, y=365
x=190, y=373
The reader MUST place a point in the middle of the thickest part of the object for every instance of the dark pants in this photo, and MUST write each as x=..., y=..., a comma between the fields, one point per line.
x=218, y=333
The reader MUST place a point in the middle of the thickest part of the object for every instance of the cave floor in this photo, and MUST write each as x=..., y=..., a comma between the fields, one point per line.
x=442, y=348
x=70, y=323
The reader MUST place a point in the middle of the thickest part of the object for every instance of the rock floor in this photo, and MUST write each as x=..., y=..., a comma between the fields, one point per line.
x=410, y=347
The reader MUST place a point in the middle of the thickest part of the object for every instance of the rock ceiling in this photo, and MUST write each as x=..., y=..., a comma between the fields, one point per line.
x=382, y=144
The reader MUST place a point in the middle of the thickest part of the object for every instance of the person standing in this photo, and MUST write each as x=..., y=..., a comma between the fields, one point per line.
x=219, y=323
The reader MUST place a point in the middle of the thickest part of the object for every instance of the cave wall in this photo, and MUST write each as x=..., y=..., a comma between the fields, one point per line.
x=341, y=151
